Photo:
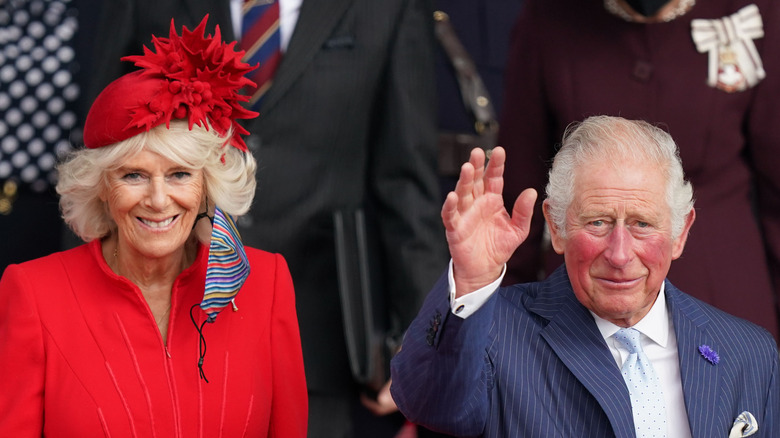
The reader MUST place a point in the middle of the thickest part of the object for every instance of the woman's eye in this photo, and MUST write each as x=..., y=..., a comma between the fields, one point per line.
x=181, y=175
x=132, y=176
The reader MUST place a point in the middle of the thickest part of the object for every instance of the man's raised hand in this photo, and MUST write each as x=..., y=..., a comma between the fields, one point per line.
x=480, y=233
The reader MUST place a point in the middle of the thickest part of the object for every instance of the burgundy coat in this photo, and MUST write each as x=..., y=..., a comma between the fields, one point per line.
x=571, y=59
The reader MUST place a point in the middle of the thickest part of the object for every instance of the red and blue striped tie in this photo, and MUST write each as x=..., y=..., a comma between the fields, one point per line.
x=261, y=41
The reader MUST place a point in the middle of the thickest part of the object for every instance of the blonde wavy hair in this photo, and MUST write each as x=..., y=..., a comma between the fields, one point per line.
x=229, y=174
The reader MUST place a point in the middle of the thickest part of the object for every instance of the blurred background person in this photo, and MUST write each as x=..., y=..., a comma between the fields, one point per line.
x=706, y=71
x=113, y=333
x=482, y=30
x=347, y=125
x=45, y=58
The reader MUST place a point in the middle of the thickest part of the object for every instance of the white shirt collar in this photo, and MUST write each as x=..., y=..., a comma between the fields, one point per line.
x=654, y=325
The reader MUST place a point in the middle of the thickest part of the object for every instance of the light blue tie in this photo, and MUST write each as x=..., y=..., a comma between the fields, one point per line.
x=644, y=387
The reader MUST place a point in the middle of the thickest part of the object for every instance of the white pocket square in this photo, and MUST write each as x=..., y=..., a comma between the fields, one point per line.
x=744, y=425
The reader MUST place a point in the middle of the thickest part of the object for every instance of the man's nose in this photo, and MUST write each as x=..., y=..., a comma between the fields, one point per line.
x=619, y=246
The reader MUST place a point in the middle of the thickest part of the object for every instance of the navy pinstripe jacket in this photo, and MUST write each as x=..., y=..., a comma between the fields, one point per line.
x=532, y=363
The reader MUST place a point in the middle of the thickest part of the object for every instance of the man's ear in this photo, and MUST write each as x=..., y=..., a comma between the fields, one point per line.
x=679, y=242
x=558, y=242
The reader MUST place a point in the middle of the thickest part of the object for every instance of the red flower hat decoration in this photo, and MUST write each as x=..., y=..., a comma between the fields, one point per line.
x=189, y=76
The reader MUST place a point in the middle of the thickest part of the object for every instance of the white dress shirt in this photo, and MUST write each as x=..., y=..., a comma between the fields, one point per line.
x=288, y=17
x=659, y=343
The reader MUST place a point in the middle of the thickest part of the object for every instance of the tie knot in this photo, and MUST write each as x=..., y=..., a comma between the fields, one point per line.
x=629, y=337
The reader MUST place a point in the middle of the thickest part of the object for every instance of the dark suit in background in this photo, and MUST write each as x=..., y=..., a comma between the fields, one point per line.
x=348, y=123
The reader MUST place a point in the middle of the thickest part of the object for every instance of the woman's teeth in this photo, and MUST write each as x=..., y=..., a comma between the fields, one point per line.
x=160, y=224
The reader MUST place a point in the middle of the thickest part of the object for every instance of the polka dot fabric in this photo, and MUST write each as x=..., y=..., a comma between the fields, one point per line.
x=37, y=63
x=647, y=399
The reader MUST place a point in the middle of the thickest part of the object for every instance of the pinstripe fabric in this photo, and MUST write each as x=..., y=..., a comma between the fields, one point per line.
x=532, y=363
x=740, y=381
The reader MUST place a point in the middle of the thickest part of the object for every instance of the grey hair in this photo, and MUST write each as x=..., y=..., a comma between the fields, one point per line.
x=613, y=140
x=229, y=174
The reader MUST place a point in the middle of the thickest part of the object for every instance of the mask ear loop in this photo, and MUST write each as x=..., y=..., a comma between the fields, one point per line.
x=201, y=343
x=199, y=328
x=202, y=215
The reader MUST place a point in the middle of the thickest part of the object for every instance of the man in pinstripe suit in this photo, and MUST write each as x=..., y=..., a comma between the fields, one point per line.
x=539, y=359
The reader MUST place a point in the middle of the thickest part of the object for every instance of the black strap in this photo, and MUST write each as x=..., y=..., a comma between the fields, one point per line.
x=473, y=91
x=201, y=343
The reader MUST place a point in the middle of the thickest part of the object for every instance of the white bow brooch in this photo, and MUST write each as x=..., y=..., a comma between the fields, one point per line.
x=744, y=425
x=734, y=63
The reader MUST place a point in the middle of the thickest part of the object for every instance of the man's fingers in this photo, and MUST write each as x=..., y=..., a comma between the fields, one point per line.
x=523, y=210
x=472, y=184
x=494, y=174
x=384, y=403
x=477, y=159
x=465, y=186
x=449, y=211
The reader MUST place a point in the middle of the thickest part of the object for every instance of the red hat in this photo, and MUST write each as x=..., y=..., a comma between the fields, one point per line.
x=189, y=76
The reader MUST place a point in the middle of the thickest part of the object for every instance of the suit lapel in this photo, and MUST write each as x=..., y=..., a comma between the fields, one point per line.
x=576, y=340
x=699, y=377
x=315, y=23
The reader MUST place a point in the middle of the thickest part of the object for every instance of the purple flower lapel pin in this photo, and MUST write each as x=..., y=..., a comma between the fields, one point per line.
x=709, y=354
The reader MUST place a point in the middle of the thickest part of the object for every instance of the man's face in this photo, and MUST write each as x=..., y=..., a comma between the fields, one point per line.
x=619, y=244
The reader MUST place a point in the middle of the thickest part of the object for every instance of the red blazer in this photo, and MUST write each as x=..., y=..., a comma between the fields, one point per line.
x=81, y=355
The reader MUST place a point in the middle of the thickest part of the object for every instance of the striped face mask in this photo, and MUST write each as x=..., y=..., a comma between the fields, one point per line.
x=228, y=266
x=226, y=272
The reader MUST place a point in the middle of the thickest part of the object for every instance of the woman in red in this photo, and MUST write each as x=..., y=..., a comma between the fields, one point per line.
x=110, y=338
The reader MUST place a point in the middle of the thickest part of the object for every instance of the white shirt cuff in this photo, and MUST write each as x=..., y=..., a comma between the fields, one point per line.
x=467, y=304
